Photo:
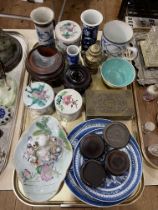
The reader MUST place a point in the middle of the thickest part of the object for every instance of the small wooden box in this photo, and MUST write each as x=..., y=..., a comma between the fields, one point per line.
x=111, y=104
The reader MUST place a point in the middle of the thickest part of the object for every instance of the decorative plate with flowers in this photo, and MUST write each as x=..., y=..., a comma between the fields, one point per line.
x=42, y=158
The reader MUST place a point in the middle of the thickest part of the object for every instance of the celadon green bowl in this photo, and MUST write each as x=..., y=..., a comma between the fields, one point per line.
x=117, y=72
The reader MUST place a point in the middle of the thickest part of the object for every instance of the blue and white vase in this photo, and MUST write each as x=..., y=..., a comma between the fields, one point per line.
x=43, y=18
x=91, y=20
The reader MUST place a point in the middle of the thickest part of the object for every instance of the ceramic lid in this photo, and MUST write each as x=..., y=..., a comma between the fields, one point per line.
x=38, y=95
x=68, y=31
x=10, y=51
x=45, y=63
x=68, y=101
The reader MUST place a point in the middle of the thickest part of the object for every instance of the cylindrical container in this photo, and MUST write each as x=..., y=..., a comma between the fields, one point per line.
x=68, y=104
x=72, y=54
x=39, y=97
x=115, y=40
x=91, y=20
x=43, y=18
x=93, y=58
x=67, y=33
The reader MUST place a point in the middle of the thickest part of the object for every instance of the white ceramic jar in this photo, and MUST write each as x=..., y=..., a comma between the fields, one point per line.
x=67, y=33
x=39, y=97
x=68, y=104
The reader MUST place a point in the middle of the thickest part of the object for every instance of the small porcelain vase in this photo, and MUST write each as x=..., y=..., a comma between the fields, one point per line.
x=91, y=20
x=43, y=18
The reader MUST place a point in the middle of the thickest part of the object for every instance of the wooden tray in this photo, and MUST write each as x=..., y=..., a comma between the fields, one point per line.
x=65, y=198
x=16, y=74
x=146, y=111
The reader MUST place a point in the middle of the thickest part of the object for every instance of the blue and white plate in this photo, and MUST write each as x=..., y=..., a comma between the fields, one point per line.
x=74, y=137
x=115, y=188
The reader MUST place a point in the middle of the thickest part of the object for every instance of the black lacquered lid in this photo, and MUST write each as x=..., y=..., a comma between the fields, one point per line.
x=92, y=146
x=117, y=162
x=10, y=51
x=116, y=135
x=77, y=77
x=92, y=173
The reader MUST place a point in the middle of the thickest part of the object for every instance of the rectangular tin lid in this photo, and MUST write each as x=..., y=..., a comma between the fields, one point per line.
x=113, y=104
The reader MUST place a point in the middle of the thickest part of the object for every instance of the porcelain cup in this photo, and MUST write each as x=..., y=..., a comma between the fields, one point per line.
x=91, y=20
x=115, y=40
x=72, y=54
x=43, y=18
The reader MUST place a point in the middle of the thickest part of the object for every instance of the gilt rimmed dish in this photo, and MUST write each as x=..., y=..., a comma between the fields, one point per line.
x=42, y=158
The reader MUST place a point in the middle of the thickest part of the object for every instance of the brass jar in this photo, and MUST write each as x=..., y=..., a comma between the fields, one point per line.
x=93, y=58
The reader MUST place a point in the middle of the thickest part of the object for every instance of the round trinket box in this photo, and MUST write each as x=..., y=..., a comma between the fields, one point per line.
x=116, y=135
x=92, y=146
x=68, y=104
x=67, y=32
x=39, y=96
x=46, y=64
x=92, y=173
x=77, y=77
x=117, y=162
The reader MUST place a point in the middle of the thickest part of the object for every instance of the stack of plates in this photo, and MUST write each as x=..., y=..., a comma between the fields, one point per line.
x=116, y=189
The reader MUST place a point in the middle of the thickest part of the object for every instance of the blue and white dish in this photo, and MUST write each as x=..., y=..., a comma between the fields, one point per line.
x=74, y=137
x=115, y=188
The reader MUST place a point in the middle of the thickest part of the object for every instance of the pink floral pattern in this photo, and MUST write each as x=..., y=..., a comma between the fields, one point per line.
x=46, y=172
x=26, y=175
x=67, y=100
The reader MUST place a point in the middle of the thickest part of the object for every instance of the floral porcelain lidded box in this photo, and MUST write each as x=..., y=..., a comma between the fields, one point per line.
x=67, y=32
x=39, y=96
x=68, y=103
